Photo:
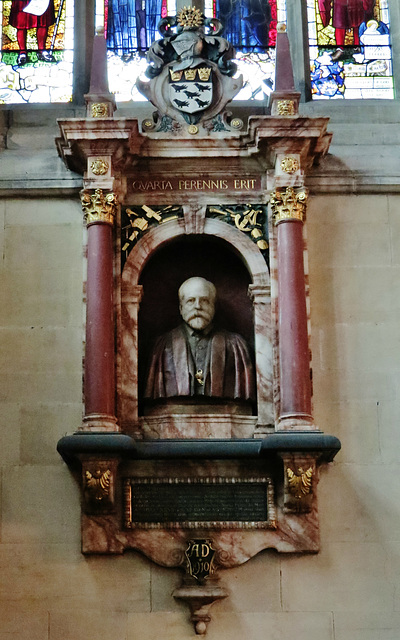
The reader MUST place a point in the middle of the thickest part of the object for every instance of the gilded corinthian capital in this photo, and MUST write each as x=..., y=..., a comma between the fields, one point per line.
x=288, y=204
x=98, y=207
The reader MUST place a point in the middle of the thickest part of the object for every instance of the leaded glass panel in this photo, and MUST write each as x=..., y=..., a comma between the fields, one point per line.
x=350, y=49
x=36, y=51
x=254, y=42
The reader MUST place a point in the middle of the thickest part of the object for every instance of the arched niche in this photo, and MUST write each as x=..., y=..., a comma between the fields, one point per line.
x=237, y=268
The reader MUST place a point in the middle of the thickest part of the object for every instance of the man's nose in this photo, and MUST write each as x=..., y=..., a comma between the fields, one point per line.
x=197, y=303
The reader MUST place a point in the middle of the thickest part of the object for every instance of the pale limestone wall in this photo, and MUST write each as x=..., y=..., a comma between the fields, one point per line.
x=350, y=591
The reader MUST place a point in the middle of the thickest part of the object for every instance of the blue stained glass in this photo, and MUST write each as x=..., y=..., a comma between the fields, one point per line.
x=247, y=23
x=132, y=25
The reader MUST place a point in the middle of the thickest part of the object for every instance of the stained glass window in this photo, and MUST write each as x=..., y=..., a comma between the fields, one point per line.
x=249, y=24
x=132, y=25
x=36, y=52
x=350, y=49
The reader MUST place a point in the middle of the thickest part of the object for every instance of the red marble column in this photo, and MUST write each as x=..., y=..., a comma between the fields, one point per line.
x=288, y=206
x=99, y=381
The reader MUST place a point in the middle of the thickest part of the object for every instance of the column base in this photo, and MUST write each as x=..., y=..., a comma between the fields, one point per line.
x=99, y=422
x=296, y=422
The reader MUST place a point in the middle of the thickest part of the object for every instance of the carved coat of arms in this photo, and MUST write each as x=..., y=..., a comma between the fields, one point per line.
x=191, y=90
x=190, y=69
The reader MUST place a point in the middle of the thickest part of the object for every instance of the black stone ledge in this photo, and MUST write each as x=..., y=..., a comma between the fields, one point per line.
x=122, y=446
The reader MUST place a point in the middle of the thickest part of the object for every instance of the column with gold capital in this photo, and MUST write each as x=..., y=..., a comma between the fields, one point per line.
x=99, y=383
x=288, y=206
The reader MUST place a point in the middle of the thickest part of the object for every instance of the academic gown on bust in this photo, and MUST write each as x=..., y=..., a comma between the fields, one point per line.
x=228, y=371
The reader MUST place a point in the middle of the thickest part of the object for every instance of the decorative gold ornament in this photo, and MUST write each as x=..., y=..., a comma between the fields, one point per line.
x=288, y=204
x=98, y=207
x=281, y=27
x=148, y=124
x=300, y=483
x=99, y=167
x=99, y=110
x=286, y=108
x=190, y=17
x=192, y=129
x=236, y=123
x=97, y=485
x=140, y=218
x=247, y=218
x=257, y=234
x=290, y=165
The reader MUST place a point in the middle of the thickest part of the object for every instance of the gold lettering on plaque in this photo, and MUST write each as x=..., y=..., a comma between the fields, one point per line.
x=200, y=558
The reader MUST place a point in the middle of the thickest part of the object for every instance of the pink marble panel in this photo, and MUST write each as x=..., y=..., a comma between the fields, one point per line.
x=127, y=405
x=166, y=547
x=198, y=426
x=260, y=295
x=195, y=218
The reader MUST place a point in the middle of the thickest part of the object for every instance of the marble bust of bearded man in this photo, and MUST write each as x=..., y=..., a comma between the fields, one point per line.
x=197, y=360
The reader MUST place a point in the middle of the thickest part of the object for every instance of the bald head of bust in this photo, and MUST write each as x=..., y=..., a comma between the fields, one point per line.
x=197, y=302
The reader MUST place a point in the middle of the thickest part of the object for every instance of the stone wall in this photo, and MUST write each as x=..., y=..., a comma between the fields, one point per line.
x=349, y=591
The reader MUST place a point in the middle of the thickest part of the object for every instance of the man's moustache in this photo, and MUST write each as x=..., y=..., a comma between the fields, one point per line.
x=198, y=315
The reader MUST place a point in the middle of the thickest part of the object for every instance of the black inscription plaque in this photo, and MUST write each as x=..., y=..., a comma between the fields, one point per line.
x=190, y=503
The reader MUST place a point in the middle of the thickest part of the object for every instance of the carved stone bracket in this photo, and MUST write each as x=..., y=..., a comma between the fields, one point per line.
x=200, y=597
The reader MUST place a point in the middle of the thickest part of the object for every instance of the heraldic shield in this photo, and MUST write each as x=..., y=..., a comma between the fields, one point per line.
x=191, y=90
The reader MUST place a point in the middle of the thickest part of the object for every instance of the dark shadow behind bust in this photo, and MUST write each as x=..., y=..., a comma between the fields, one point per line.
x=174, y=263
